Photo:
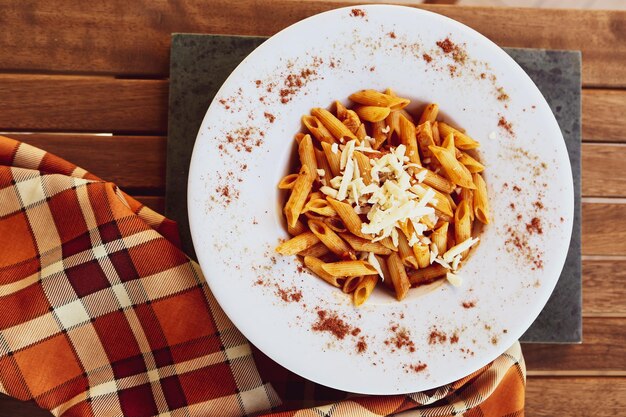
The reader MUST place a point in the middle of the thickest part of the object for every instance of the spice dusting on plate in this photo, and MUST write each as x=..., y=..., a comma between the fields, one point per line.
x=506, y=125
x=534, y=226
x=289, y=295
x=458, y=54
x=427, y=57
x=436, y=336
x=357, y=13
x=270, y=117
x=418, y=367
x=469, y=304
x=332, y=323
x=361, y=345
x=401, y=339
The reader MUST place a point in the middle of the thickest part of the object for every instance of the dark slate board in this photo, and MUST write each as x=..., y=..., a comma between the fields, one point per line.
x=199, y=64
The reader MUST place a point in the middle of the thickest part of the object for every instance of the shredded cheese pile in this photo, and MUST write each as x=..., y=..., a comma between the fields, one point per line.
x=393, y=198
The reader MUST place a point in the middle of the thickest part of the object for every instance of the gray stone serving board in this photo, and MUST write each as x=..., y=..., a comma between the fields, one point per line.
x=199, y=64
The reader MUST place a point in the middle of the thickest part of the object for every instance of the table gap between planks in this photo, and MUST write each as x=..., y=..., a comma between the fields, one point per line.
x=89, y=83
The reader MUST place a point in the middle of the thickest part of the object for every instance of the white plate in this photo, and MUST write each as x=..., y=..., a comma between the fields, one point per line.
x=236, y=218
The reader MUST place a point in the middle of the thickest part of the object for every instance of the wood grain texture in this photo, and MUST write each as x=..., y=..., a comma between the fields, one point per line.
x=104, y=37
x=10, y=407
x=602, y=349
x=604, y=288
x=82, y=103
x=156, y=203
x=134, y=163
x=604, y=173
x=575, y=397
x=600, y=107
x=604, y=229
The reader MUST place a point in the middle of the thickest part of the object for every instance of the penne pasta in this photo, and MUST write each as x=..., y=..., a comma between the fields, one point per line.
x=462, y=224
x=470, y=163
x=372, y=113
x=440, y=237
x=461, y=140
x=426, y=275
x=319, y=206
x=422, y=255
x=299, y=192
x=364, y=245
x=375, y=98
x=378, y=195
x=318, y=250
x=481, y=203
x=455, y=171
x=339, y=131
x=407, y=138
x=333, y=157
x=350, y=284
x=307, y=155
x=287, y=182
x=297, y=243
x=429, y=114
x=297, y=229
x=331, y=239
x=315, y=265
x=349, y=268
x=398, y=276
x=364, y=289
x=317, y=129
x=350, y=218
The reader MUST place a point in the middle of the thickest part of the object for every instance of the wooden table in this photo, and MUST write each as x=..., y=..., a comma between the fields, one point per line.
x=90, y=80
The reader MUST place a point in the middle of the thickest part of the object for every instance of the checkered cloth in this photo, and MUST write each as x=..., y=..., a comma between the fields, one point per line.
x=103, y=315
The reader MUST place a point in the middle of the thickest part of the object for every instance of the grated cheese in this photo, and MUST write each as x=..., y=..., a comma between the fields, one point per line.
x=321, y=172
x=334, y=148
x=454, y=279
x=371, y=258
x=385, y=129
x=459, y=248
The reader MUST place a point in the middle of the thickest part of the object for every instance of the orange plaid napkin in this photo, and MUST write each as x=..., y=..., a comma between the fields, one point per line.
x=103, y=315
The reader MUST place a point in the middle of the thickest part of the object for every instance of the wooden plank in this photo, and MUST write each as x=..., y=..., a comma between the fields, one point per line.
x=604, y=288
x=603, y=170
x=10, y=407
x=603, y=349
x=135, y=163
x=122, y=37
x=80, y=103
x=600, y=110
x=575, y=397
x=604, y=229
x=156, y=203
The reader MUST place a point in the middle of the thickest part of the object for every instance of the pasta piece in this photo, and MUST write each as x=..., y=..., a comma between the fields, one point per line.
x=422, y=255
x=331, y=239
x=461, y=140
x=333, y=158
x=364, y=245
x=426, y=275
x=429, y=114
x=393, y=122
x=438, y=182
x=365, y=167
x=322, y=163
x=350, y=284
x=388, y=243
x=406, y=253
x=299, y=193
x=377, y=133
x=352, y=121
x=340, y=110
x=470, y=163
x=350, y=218
x=349, y=268
x=456, y=172
x=307, y=155
x=425, y=139
x=298, y=137
x=372, y=113
x=317, y=129
x=336, y=224
x=398, y=276
x=407, y=137
x=468, y=195
x=406, y=114
x=375, y=98
x=361, y=132
x=287, y=182
x=297, y=243
x=436, y=136
x=297, y=229
x=364, y=289
x=440, y=237
x=462, y=224
x=382, y=262
x=317, y=250
x=439, y=203
x=319, y=206
x=315, y=265
x=481, y=203
x=334, y=125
